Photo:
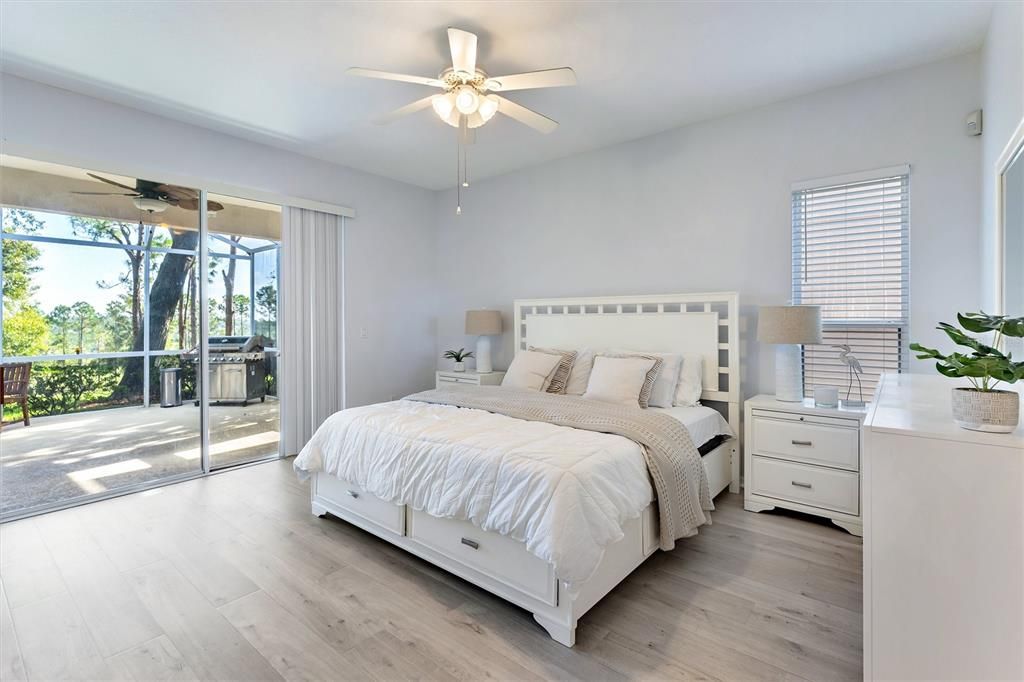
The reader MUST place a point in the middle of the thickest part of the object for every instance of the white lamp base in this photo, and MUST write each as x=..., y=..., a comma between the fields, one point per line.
x=789, y=373
x=483, y=355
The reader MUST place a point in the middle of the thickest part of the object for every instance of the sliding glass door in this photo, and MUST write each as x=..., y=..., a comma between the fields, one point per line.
x=104, y=331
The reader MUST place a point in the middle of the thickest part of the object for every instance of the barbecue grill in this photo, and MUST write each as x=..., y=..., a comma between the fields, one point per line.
x=237, y=369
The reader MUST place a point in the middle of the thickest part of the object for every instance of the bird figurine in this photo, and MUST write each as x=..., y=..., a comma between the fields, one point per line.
x=855, y=369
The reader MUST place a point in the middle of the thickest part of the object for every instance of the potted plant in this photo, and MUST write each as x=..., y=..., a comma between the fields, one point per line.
x=982, y=407
x=459, y=356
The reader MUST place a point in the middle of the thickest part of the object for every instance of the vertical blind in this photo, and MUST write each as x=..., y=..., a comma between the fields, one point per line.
x=851, y=257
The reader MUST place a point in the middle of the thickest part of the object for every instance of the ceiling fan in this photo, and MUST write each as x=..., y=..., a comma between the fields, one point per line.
x=469, y=99
x=155, y=197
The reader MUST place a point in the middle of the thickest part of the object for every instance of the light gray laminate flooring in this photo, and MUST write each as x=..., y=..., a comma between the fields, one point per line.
x=231, y=577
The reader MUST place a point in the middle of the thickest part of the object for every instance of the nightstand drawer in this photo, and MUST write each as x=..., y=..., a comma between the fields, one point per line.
x=810, y=485
x=448, y=379
x=834, y=446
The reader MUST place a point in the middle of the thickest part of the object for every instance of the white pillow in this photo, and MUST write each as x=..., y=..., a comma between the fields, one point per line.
x=530, y=370
x=691, y=379
x=618, y=380
x=579, y=375
x=664, y=390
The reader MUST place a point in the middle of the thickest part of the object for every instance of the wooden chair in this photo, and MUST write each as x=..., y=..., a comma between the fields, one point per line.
x=14, y=380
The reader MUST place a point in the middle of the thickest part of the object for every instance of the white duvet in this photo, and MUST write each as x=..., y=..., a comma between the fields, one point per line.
x=564, y=492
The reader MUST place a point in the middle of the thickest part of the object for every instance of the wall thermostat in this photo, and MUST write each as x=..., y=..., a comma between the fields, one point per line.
x=974, y=122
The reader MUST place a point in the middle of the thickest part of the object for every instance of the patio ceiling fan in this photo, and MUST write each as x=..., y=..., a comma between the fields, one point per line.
x=154, y=196
x=469, y=98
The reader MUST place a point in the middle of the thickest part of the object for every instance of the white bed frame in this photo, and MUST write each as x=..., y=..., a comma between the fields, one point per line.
x=689, y=323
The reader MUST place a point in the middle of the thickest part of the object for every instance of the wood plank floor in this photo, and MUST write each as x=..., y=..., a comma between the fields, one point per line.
x=231, y=577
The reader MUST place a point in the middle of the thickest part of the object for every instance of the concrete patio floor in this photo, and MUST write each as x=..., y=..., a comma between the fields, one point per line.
x=62, y=457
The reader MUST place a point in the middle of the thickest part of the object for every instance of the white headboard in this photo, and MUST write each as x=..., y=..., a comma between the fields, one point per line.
x=669, y=323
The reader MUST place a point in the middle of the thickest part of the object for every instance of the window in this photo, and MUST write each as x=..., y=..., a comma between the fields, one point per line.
x=851, y=257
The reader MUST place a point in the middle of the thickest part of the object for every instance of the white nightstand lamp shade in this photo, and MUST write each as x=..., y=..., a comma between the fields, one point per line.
x=483, y=324
x=789, y=326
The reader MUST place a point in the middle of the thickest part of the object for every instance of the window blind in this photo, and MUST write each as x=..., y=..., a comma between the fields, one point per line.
x=851, y=257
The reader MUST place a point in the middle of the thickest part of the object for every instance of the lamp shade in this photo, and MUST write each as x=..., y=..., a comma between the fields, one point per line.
x=483, y=322
x=789, y=324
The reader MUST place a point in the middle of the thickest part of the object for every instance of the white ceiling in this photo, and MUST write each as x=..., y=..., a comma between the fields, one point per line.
x=274, y=71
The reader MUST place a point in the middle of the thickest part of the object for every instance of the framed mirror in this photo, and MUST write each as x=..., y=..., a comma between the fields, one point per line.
x=1010, y=229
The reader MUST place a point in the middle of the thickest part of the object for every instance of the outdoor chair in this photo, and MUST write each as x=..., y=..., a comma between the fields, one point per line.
x=14, y=380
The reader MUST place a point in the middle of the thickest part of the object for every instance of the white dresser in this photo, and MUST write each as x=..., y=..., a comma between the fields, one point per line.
x=801, y=457
x=943, y=540
x=448, y=377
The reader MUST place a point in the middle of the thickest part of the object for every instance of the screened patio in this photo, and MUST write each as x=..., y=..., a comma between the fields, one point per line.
x=62, y=457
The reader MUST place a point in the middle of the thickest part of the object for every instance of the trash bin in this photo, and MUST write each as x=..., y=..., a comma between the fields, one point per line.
x=170, y=387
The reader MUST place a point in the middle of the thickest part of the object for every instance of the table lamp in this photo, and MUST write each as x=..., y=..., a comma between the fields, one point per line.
x=483, y=324
x=789, y=326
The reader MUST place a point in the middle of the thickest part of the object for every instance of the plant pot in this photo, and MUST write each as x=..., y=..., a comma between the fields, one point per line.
x=460, y=367
x=992, y=411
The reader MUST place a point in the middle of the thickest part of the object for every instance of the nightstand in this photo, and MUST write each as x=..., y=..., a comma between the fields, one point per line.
x=447, y=377
x=806, y=458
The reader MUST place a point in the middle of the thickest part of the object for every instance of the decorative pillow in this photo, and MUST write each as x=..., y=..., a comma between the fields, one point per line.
x=580, y=373
x=557, y=381
x=691, y=379
x=530, y=370
x=664, y=391
x=624, y=380
x=652, y=375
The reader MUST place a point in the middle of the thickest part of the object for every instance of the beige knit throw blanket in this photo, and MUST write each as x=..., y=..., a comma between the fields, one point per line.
x=680, y=482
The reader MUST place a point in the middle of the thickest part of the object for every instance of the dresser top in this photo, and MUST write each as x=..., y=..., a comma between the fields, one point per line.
x=921, y=405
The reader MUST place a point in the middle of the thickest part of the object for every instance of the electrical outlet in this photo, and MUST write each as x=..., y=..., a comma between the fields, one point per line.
x=363, y=334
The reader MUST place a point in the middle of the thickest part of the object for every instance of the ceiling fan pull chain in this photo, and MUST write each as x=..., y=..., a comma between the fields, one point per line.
x=458, y=175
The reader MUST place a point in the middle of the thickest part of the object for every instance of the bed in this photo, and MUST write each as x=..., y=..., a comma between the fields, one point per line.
x=545, y=516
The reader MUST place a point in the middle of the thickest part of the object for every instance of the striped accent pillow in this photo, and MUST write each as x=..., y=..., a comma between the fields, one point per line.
x=652, y=374
x=560, y=378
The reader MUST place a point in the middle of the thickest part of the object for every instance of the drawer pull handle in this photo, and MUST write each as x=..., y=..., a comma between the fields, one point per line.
x=801, y=442
x=471, y=543
x=353, y=494
x=798, y=484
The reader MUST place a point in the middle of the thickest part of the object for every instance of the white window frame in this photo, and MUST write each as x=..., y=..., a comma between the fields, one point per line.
x=853, y=326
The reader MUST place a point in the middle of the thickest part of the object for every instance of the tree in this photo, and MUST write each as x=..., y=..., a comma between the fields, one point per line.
x=84, y=317
x=133, y=239
x=164, y=295
x=60, y=324
x=19, y=258
x=241, y=306
x=117, y=323
x=266, y=302
x=228, y=274
x=26, y=333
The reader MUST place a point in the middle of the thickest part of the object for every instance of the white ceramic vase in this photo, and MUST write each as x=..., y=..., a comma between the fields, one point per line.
x=460, y=367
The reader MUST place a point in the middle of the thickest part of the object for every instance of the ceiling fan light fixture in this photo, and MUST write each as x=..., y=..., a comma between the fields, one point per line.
x=150, y=204
x=443, y=105
x=488, y=108
x=466, y=99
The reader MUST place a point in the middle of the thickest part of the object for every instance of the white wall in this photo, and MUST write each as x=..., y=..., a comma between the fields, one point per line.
x=390, y=282
x=707, y=207
x=1002, y=78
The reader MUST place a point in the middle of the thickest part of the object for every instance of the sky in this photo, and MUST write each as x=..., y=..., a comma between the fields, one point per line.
x=70, y=272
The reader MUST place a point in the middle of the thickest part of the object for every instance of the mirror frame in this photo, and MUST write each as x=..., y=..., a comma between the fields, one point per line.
x=1014, y=150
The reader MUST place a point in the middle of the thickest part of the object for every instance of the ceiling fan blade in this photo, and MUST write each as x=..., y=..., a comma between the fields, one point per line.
x=106, y=194
x=177, y=192
x=526, y=116
x=388, y=76
x=111, y=182
x=193, y=205
x=463, y=46
x=402, y=111
x=548, y=78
